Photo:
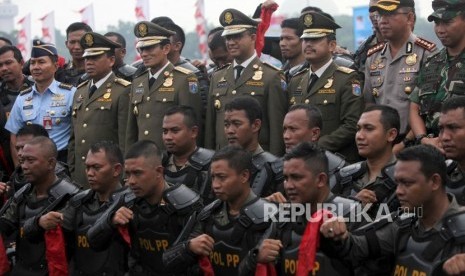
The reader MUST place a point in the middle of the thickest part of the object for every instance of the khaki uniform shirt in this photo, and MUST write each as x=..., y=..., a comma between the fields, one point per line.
x=337, y=93
x=101, y=117
x=260, y=80
x=174, y=86
x=389, y=80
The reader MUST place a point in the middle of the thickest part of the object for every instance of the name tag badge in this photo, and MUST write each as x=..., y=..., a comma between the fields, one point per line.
x=47, y=122
x=27, y=107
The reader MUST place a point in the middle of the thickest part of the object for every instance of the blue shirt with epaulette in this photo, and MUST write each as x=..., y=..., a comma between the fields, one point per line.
x=31, y=107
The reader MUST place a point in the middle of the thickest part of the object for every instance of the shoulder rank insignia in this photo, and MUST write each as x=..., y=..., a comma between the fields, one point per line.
x=25, y=91
x=65, y=86
x=378, y=47
x=83, y=83
x=123, y=82
x=271, y=66
x=345, y=69
x=423, y=43
x=222, y=67
x=183, y=70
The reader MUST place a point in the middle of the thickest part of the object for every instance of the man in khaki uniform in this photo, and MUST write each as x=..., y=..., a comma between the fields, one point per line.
x=247, y=75
x=392, y=67
x=158, y=88
x=100, y=105
x=335, y=90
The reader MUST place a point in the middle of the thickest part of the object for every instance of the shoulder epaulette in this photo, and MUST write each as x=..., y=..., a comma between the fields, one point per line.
x=139, y=72
x=123, y=82
x=345, y=69
x=423, y=43
x=82, y=84
x=25, y=91
x=303, y=71
x=66, y=86
x=378, y=47
x=222, y=67
x=271, y=66
x=183, y=70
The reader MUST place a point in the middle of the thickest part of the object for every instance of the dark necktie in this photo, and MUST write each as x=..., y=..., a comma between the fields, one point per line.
x=238, y=69
x=92, y=90
x=312, y=81
x=152, y=81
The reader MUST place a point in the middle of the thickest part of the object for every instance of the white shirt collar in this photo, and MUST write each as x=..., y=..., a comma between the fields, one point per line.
x=101, y=81
x=323, y=68
x=246, y=62
x=158, y=72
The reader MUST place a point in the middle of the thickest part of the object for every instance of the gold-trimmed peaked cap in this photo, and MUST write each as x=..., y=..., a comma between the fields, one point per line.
x=391, y=5
x=95, y=44
x=235, y=22
x=317, y=25
x=40, y=49
x=150, y=34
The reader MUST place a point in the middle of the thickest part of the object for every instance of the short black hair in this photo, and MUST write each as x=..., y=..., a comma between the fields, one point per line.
x=16, y=52
x=295, y=24
x=431, y=160
x=215, y=30
x=389, y=117
x=314, y=116
x=112, y=151
x=119, y=38
x=315, y=157
x=144, y=148
x=310, y=9
x=453, y=104
x=217, y=42
x=33, y=129
x=251, y=107
x=238, y=159
x=180, y=36
x=190, y=118
x=6, y=40
x=78, y=26
x=46, y=144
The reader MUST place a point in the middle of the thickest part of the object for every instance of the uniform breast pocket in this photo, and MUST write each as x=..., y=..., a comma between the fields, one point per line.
x=327, y=105
x=60, y=115
x=29, y=114
x=376, y=81
x=457, y=87
x=76, y=108
x=136, y=98
x=165, y=97
x=102, y=112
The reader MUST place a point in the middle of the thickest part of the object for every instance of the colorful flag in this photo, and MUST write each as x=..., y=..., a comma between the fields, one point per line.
x=48, y=28
x=24, y=36
x=201, y=28
x=87, y=15
x=142, y=10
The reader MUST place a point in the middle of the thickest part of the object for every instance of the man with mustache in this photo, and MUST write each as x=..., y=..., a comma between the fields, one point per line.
x=154, y=214
x=422, y=234
x=442, y=76
x=392, y=66
x=12, y=82
x=47, y=103
x=185, y=162
x=247, y=75
x=451, y=134
x=335, y=90
x=159, y=87
x=74, y=70
x=100, y=105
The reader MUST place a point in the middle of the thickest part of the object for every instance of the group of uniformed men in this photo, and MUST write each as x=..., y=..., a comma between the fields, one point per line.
x=156, y=202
